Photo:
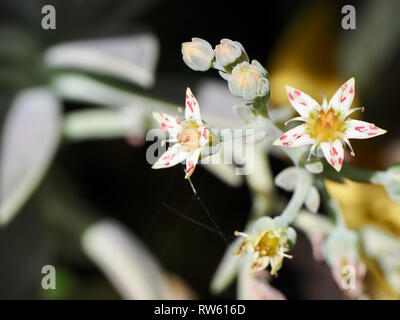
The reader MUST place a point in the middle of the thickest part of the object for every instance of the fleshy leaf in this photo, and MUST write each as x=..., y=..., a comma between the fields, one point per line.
x=132, y=58
x=29, y=140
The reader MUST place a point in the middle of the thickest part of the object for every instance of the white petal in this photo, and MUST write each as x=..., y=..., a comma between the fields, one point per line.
x=333, y=153
x=301, y=101
x=192, y=110
x=171, y=157
x=313, y=200
x=168, y=123
x=191, y=162
x=295, y=137
x=225, y=76
x=343, y=98
x=204, y=135
x=362, y=130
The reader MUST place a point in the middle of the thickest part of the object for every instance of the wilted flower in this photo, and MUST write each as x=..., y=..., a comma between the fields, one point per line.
x=267, y=243
x=197, y=54
x=328, y=126
x=248, y=81
x=341, y=252
x=228, y=52
x=190, y=134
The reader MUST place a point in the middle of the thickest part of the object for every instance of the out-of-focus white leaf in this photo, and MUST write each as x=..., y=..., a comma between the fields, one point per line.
x=80, y=88
x=214, y=98
x=227, y=269
x=380, y=244
x=385, y=248
x=124, y=260
x=132, y=58
x=104, y=123
x=287, y=178
x=312, y=223
x=29, y=139
x=313, y=200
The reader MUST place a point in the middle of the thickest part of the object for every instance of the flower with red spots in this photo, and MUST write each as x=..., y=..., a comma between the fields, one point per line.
x=327, y=126
x=190, y=135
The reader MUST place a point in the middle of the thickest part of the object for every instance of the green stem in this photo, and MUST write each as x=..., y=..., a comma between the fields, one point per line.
x=303, y=185
x=357, y=174
x=260, y=106
x=332, y=205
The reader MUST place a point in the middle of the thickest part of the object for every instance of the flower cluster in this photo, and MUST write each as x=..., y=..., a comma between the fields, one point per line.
x=245, y=79
x=327, y=128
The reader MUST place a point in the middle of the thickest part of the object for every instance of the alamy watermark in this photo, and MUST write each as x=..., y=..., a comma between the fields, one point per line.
x=349, y=20
x=237, y=148
x=49, y=280
x=49, y=18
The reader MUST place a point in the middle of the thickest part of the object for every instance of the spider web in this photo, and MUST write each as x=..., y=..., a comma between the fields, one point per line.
x=213, y=228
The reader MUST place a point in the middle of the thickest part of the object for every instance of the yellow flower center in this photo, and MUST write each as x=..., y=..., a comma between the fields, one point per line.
x=269, y=244
x=325, y=126
x=189, y=136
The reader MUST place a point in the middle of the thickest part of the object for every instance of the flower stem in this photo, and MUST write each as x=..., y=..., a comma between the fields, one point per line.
x=300, y=194
x=357, y=174
x=332, y=205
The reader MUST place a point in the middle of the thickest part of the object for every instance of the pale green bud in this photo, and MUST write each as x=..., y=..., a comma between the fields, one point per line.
x=197, y=54
x=248, y=81
x=228, y=52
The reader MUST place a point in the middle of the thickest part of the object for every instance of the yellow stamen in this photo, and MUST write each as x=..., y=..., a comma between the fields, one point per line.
x=325, y=126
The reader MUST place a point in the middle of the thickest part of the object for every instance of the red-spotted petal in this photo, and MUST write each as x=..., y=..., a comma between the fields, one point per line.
x=192, y=110
x=333, y=153
x=168, y=123
x=191, y=162
x=171, y=157
x=343, y=98
x=294, y=137
x=204, y=135
x=362, y=130
x=301, y=101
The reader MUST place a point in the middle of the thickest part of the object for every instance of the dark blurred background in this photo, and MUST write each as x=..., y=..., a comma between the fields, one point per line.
x=113, y=178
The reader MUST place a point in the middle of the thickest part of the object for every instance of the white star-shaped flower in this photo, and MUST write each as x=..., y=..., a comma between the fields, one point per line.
x=190, y=135
x=327, y=126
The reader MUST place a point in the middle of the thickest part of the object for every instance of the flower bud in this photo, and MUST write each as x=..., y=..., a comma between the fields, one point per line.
x=248, y=81
x=228, y=52
x=197, y=54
